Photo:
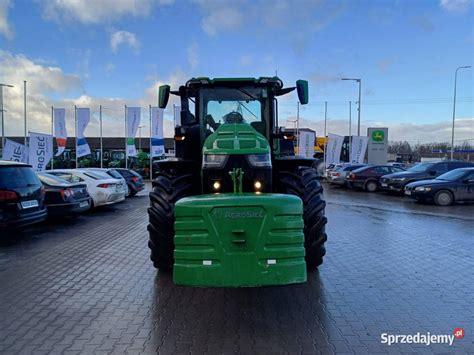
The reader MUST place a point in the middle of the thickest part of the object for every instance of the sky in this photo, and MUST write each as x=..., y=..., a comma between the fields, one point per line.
x=117, y=52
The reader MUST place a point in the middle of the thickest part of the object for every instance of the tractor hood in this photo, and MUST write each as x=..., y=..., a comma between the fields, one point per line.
x=236, y=138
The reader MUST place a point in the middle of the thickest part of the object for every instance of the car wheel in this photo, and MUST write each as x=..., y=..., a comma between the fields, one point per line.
x=371, y=186
x=444, y=198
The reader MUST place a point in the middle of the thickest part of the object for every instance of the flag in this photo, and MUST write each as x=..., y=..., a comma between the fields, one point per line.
x=15, y=151
x=59, y=118
x=333, y=149
x=133, y=121
x=358, y=148
x=157, y=141
x=306, y=144
x=83, y=118
x=40, y=150
x=177, y=115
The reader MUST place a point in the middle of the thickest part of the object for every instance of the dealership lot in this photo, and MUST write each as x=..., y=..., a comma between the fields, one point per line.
x=392, y=266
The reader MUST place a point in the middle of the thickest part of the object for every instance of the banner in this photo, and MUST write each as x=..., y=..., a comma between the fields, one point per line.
x=133, y=121
x=333, y=149
x=177, y=115
x=83, y=117
x=306, y=144
x=59, y=118
x=14, y=151
x=157, y=141
x=40, y=150
x=358, y=148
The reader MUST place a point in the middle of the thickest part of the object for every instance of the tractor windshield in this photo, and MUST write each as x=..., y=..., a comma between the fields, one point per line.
x=232, y=105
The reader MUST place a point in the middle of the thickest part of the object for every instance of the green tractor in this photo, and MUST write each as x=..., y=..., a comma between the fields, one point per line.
x=235, y=207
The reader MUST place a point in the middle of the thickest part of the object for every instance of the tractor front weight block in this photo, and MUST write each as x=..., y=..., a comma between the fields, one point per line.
x=239, y=240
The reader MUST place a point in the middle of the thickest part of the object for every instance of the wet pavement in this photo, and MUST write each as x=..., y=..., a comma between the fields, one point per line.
x=87, y=286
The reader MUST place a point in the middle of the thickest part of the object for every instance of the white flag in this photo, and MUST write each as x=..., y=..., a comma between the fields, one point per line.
x=333, y=149
x=157, y=141
x=83, y=118
x=15, y=151
x=59, y=118
x=40, y=150
x=358, y=148
x=177, y=115
x=133, y=121
x=306, y=144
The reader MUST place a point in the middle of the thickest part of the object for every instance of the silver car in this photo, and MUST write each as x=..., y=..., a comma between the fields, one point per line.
x=338, y=175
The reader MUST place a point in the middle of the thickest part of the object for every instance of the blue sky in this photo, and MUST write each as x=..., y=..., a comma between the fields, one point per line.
x=117, y=52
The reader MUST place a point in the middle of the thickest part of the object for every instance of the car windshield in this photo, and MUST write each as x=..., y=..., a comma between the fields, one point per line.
x=419, y=168
x=52, y=180
x=13, y=177
x=97, y=175
x=115, y=174
x=452, y=175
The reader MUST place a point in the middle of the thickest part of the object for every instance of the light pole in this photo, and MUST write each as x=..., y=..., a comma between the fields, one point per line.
x=350, y=130
x=358, y=114
x=1, y=108
x=454, y=107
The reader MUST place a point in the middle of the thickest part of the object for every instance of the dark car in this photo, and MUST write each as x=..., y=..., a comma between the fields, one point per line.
x=422, y=171
x=134, y=180
x=455, y=185
x=338, y=176
x=21, y=196
x=367, y=178
x=62, y=197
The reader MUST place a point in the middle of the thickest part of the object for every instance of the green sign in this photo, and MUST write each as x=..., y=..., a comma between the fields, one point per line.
x=378, y=136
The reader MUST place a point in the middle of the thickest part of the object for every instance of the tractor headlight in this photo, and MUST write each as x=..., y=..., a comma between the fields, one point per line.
x=259, y=160
x=214, y=160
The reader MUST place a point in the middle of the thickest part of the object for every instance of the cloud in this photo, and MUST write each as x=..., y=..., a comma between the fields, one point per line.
x=109, y=68
x=193, y=57
x=219, y=16
x=98, y=12
x=129, y=39
x=456, y=6
x=5, y=28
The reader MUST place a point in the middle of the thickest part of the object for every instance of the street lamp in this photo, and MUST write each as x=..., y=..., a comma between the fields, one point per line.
x=1, y=108
x=454, y=107
x=358, y=115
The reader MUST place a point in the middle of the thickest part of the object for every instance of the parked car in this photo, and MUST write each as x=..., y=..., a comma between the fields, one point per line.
x=102, y=188
x=112, y=173
x=21, y=196
x=63, y=197
x=339, y=175
x=455, y=185
x=422, y=171
x=134, y=180
x=131, y=178
x=367, y=177
x=330, y=168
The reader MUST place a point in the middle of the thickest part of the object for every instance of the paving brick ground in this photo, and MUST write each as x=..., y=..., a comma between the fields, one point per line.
x=87, y=286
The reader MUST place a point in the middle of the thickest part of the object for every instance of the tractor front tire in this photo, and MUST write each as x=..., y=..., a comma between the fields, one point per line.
x=304, y=183
x=168, y=187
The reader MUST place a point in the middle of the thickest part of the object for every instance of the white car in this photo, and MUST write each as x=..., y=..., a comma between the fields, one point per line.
x=103, y=189
x=113, y=174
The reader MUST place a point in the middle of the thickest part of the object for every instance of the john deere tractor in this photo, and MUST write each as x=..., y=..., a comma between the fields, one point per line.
x=235, y=207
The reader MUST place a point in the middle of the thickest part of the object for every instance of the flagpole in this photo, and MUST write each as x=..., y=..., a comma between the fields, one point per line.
x=24, y=106
x=52, y=133
x=126, y=155
x=101, y=147
x=75, y=129
x=151, y=150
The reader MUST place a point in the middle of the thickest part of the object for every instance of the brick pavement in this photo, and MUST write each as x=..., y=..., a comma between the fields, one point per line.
x=87, y=286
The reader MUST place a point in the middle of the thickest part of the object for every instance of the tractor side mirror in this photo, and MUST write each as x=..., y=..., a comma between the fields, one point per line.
x=163, y=96
x=303, y=91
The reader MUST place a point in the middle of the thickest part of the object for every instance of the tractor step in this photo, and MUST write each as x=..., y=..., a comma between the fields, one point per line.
x=239, y=240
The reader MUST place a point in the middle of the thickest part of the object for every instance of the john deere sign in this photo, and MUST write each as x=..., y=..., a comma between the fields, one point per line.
x=378, y=145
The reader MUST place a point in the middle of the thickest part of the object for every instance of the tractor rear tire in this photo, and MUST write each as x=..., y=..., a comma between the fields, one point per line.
x=304, y=183
x=168, y=187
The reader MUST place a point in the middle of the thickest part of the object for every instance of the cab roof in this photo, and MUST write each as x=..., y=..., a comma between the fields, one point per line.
x=263, y=80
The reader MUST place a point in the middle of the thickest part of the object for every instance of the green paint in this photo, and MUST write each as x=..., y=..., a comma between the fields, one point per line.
x=237, y=175
x=378, y=136
x=130, y=141
x=236, y=138
x=228, y=240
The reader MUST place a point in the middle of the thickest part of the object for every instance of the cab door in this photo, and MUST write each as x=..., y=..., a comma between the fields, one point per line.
x=466, y=188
